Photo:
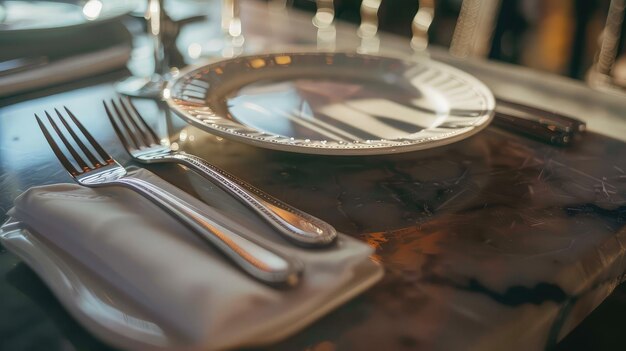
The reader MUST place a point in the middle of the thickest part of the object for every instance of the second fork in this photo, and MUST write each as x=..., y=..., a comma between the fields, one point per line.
x=143, y=145
x=93, y=167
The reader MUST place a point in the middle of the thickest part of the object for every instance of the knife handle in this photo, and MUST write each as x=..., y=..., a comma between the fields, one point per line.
x=549, y=118
x=548, y=133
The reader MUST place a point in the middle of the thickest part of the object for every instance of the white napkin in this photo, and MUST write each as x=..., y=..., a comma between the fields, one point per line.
x=181, y=281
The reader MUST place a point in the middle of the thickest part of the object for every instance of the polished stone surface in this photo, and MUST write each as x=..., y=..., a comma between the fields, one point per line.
x=494, y=242
x=479, y=239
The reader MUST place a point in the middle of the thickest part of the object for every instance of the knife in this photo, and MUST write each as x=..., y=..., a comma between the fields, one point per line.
x=548, y=126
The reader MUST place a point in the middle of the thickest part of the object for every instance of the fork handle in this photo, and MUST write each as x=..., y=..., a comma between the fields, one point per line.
x=300, y=227
x=261, y=263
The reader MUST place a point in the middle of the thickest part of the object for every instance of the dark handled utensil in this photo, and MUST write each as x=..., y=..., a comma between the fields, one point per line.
x=551, y=127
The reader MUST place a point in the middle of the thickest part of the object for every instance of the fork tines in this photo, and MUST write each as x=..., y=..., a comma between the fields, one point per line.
x=86, y=159
x=131, y=128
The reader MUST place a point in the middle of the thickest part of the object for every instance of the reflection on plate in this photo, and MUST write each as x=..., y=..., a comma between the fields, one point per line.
x=333, y=103
x=18, y=16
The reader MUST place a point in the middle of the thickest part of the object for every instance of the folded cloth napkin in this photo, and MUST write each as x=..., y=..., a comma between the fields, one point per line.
x=178, y=279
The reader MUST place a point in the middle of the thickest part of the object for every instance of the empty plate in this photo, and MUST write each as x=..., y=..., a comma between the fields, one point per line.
x=18, y=17
x=333, y=103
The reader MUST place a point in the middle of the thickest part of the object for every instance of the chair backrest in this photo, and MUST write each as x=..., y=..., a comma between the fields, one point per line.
x=421, y=24
x=474, y=28
x=601, y=74
x=324, y=20
x=368, y=29
x=472, y=35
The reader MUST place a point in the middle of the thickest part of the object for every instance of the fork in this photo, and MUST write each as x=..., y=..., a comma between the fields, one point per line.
x=99, y=169
x=143, y=145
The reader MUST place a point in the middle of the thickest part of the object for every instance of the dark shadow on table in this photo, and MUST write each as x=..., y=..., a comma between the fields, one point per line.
x=27, y=282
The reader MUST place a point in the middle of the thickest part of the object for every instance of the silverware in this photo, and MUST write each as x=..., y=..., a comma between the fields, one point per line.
x=100, y=169
x=151, y=87
x=143, y=144
x=548, y=126
x=559, y=120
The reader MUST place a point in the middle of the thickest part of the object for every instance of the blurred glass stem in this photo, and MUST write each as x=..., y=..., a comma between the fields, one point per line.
x=150, y=87
x=231, y=29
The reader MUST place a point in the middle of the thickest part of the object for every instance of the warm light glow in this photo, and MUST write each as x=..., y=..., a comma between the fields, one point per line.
x=92, y=9
x=154, y=13
x=194, y=50
x=234, y=29
x=183, y=135
x=282, y=60
x=257, y=63
x=167, y=93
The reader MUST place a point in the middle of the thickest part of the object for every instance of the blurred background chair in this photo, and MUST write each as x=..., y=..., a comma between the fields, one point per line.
x=574, y=38
x=608, y=71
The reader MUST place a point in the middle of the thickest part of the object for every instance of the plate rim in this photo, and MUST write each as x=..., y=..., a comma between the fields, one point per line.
x=335, y=151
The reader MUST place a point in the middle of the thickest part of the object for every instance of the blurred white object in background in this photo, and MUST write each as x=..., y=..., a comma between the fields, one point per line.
x=421, y=24
x=324, y=20
x=368, y=29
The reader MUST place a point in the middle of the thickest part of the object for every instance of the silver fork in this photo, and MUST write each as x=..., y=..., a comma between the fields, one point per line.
x=98, y=169
x=143, y=145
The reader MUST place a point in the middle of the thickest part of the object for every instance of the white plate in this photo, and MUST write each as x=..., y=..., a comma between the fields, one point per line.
x=18, y=17
x=333, y=103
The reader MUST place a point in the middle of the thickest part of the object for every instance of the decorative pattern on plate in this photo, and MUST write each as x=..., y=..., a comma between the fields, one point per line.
x=333, y=103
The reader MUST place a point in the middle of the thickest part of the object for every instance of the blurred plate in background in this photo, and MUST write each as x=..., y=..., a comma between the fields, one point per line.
x=19, y=17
